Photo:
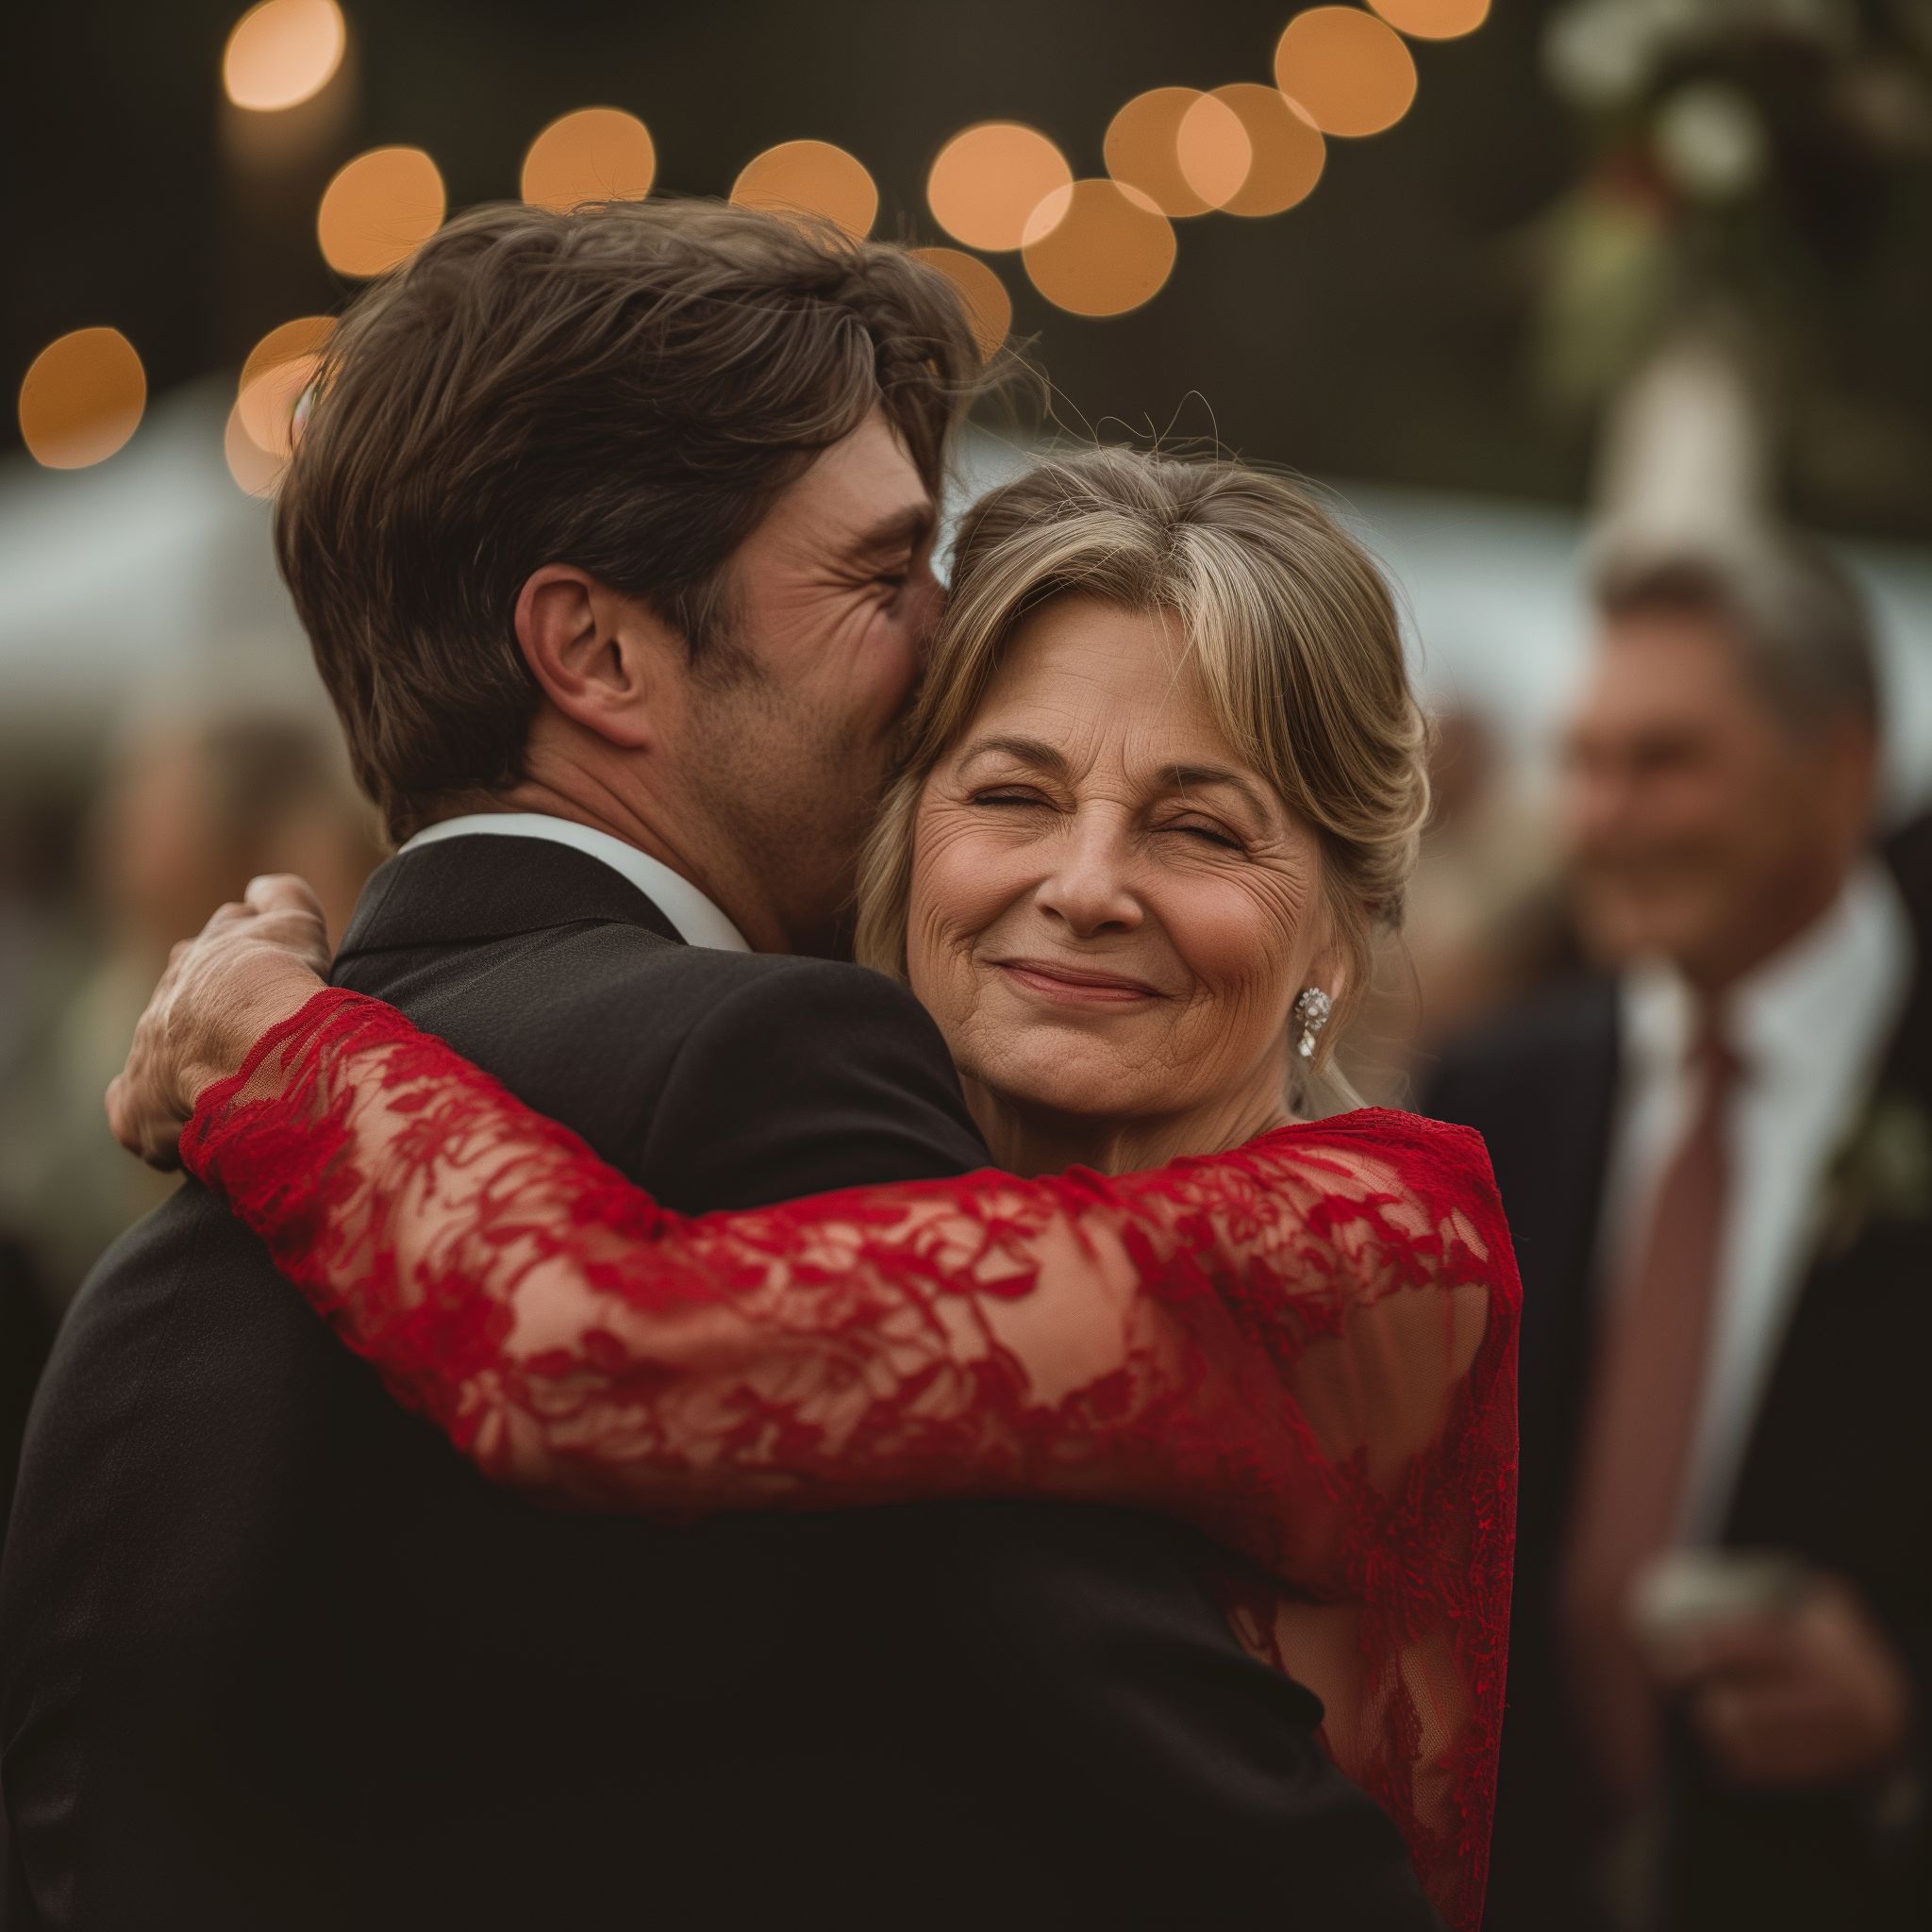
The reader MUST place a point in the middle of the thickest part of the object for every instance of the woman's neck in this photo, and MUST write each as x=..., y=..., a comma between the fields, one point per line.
x=1027, y=1140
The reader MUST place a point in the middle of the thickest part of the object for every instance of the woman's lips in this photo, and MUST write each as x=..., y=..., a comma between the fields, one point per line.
x=1077, y=986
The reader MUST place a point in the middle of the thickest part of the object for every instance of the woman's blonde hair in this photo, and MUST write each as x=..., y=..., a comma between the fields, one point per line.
x=1289, y=622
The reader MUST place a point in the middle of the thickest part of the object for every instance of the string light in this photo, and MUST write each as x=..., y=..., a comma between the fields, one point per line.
x=1099, y=248
x=811, y=177
x=82, y=398
x=597, y=153
x=378, y=208
x=1349, y=70
x=1434, y=20
x=989, y=308
x=1287, y=149
x=987, y=183
x=283, y=53
x=1214, y=151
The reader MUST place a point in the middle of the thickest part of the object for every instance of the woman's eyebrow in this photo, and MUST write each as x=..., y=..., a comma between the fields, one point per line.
x=1185, y=777
x=1028, y=751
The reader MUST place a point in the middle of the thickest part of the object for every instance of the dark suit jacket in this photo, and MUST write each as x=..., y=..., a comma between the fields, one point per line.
x=1839, y=1469
x=271, y=1655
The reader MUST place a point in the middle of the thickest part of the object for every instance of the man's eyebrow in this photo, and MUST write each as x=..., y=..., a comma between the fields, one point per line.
x=904, y=530
x=1028, y=751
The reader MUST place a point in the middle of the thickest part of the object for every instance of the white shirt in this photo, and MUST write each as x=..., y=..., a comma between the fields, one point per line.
x=1807, y=1027
x=699, y=922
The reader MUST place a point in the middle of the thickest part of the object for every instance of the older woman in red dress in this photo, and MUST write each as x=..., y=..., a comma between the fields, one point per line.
x=1163, y=782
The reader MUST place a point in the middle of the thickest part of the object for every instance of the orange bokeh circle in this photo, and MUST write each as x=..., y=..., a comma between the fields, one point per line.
x=1099, y=248
x=989, y=308
x=301, y=337
x=255, y=470
x=1433, y=20
x=283, y=53
x=595, y=153
x=987, y=182
x=1351, y=71
x=82, y=398
x=378, y=208
x=1142, y=149
x=1287, y=149
x=1214, y=149
x=811, y=177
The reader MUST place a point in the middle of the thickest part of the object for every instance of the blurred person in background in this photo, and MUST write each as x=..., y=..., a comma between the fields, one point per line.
x=1486, y=922
x=1717, y=1169
x=194, y=804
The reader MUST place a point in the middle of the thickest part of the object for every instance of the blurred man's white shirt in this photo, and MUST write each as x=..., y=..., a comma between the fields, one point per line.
x=1808, y=1027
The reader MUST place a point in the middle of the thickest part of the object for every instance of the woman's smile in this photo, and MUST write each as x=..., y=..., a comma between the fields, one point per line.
x=1111, y=910
x=1060, y=983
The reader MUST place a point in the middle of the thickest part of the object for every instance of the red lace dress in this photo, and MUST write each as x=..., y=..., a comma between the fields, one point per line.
x=1305, y=1347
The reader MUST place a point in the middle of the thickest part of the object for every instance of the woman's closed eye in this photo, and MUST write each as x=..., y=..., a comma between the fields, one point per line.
x=1010, y=796
x=1206, y=831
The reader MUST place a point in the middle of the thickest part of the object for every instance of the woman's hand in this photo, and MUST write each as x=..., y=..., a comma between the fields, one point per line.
x=255, y=963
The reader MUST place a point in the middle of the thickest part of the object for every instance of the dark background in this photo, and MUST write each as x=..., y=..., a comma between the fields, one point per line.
x=1378, y=331
x=1374, y=330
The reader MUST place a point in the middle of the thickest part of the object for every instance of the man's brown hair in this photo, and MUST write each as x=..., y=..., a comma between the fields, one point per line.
x=626, y=388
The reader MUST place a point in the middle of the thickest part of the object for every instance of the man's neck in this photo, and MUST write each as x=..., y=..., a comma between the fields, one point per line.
x=584, y=800
x=1715, y=971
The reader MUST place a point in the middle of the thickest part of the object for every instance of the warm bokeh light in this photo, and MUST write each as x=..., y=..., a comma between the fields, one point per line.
x=811, y=177
x=256, y=470
x=1099, y=248
x=1433, y=20
x=989, y=308
x=381, y=205
x=988, y=182
x=598, y=154
x=267, y=405
x=301, y=337
x=82, y=398
x=1351, y=71
x=283, y=52
x=1143, y=148
x=1289, y=151
x=1214, y=151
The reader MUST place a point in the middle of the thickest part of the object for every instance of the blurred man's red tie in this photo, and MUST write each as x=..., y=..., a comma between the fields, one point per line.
x=1643, y=1410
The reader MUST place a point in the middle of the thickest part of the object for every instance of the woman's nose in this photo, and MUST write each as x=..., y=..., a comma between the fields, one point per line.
x=1090, y=889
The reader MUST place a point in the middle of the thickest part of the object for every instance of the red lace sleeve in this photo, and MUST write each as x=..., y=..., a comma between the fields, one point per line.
x=1305, y=1347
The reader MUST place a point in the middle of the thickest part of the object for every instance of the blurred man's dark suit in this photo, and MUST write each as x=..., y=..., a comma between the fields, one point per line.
x=1838, y=1469
x=272, y=1656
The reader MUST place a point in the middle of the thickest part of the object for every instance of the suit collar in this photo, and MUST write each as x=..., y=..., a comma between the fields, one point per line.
x=464, y=892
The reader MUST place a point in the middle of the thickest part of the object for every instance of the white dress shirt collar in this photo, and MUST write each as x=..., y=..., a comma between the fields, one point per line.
x=1807, y=1027
x=699, y=922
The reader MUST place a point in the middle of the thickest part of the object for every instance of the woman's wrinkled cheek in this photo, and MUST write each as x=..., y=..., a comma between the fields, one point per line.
x=952, y=901
x=1246, y=951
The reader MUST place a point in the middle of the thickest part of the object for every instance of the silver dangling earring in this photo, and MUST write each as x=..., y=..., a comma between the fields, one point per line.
x=1313, y=1010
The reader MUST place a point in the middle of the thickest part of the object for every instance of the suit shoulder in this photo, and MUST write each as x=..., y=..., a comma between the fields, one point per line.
x=1576, y=1022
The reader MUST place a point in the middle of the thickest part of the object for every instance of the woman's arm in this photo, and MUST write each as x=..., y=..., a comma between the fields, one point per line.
x=1304, y=1347
x=1248, y=1342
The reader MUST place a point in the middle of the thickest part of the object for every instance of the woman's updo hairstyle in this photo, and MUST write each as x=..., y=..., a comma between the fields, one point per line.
x=1289, y=622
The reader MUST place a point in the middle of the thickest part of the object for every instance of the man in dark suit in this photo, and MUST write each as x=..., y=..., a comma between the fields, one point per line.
x=1717, y=1165
x=612, y=535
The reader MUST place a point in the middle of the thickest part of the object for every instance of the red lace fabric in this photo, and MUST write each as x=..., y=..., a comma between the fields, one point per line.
x=1304, y=1347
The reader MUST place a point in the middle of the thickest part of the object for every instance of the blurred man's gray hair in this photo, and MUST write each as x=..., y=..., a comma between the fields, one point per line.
x=1799, y=620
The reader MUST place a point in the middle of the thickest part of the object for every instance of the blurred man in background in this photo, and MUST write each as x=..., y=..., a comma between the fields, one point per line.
x=1717, y=1160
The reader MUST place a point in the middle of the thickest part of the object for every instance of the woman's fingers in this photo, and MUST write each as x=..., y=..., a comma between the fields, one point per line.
x=256, y=962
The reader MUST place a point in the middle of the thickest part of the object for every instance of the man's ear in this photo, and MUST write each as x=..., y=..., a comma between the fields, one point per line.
x=601, y=658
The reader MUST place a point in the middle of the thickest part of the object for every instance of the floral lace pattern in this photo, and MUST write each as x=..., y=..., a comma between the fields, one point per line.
x=1305, y=1347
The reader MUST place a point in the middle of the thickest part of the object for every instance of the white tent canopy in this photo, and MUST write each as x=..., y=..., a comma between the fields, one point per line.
x=150, y=578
